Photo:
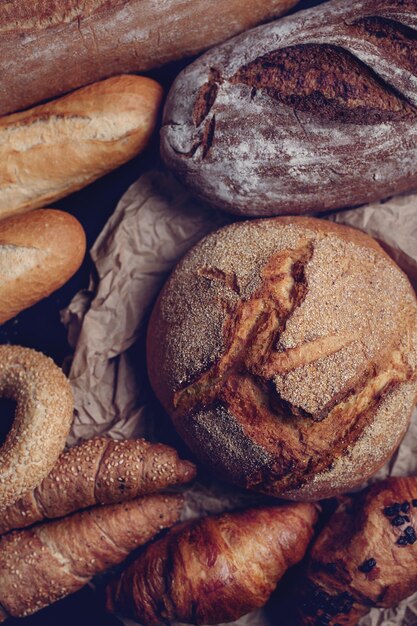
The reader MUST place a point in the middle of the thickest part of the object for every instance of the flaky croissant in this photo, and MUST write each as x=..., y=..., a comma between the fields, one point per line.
x=215, y=569
x=40, y=565
x=365, y=557
x=99, y=471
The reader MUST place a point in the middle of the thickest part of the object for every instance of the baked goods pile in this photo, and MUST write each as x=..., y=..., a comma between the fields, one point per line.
x=284, y=350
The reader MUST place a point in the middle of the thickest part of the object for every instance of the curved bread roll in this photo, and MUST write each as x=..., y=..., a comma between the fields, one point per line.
x=54, y=46
x=39, y=252
x=314, y=112
x=285, y=351
x=216, y=569
x=366, y=556
x=57, y=148
x=99, y=471
x=46, y=563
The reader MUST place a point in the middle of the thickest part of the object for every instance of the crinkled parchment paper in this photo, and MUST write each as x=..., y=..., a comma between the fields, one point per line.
x=154, y=224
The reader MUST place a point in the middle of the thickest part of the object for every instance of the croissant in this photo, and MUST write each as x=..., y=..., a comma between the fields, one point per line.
x=365, y=557
x=47, y=562
x=98, y=471
x=215, y=569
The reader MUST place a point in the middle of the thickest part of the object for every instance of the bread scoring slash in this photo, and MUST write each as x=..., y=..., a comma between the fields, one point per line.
x=285, y=352
x=310, y=113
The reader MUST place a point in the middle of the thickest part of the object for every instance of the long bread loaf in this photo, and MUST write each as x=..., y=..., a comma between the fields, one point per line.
x=54, y=149
x=48, y=47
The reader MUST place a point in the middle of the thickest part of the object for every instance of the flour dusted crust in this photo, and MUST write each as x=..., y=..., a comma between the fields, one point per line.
x=50, y=47
x=309, y=113
x=285, y=351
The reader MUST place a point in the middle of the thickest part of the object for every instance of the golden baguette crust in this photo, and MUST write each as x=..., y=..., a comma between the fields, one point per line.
x=285, y=351
x=49, y=47
x=40, y=565
x=99, y=471
x=366, y=556
x=43, y=417
x=57, y=148
x=39, y=252
x=215, y=569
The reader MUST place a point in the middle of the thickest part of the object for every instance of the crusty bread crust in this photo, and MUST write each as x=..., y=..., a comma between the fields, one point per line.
x=39, y=252
x=285, y=351
x=313, y=112
x=49, y=47
x=54, y=149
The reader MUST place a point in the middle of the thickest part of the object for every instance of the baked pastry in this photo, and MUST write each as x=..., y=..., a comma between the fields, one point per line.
x=216, y=569
x=43, y=564
x=56, y=148
x=39, y=252
x=99, y=471
x=366, y=556
x=310, y=113
x=43, y=418
x=48, y=48
x=285, y=352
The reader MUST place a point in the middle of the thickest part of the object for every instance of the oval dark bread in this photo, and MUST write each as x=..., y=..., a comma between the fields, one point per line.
x=285, y=352
x=310, y=113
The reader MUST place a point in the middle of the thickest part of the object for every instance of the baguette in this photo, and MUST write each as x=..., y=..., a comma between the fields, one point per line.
x=39, y=252
x=48, y=48
x=57, y=148
x=46, y=563
x=98, y=471
x=310, y=113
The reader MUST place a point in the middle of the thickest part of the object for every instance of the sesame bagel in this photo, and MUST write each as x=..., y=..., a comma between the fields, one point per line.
x=43, y=416
x=285, y=352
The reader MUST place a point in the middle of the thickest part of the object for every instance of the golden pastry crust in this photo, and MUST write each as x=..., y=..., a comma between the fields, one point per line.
x=214, y=569
x=285, y=351
x=364, y=557
x=98, y=471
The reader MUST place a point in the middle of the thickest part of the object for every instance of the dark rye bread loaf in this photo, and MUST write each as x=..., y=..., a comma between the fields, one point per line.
x=285, y=351
x=310, y=113
x=49, y=47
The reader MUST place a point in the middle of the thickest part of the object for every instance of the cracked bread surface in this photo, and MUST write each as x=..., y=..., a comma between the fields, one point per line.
x=312, y=112
x=285, y=351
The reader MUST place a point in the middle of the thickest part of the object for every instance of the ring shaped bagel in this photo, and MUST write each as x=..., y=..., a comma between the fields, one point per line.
x=43, y=417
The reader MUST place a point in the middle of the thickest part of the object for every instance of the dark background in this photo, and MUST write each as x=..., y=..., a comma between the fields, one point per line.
x=39, y=327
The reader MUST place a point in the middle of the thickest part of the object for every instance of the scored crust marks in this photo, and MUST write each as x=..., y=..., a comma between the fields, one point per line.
x=251, y=329
x=398, y=40
x=325, y=80
x=244, y=379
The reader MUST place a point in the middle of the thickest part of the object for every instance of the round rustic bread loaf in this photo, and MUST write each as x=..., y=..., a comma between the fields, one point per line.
x=285, y=352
